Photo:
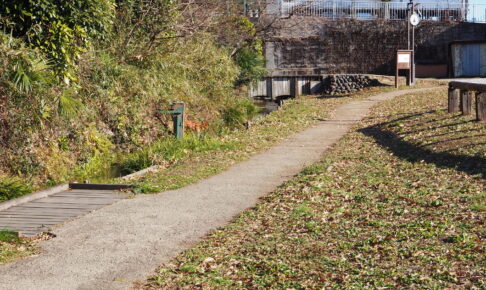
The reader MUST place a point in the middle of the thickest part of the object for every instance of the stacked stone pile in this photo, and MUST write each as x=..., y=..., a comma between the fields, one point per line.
x=344, y=84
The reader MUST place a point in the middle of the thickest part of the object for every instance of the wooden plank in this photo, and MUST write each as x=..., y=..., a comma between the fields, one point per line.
x=27, y=225
x=94, y=193
x=36, y=218
x=89, y=191
x=466, y=102
x=87, y=201
x=100, y=186
x=19, y=227
x=57, y=206
x=36, y=214
x=75, y=202
x=23, y=226
x=31, y=226
x=43, y=211
x=39, y=215
x=68, y=199
x=52, y=212
x=481, y=107
x=29, y=218
x=117, y=196
x=33, y=196
x=81, y=198
x=31, y=221
x=468, y=86
x=454, y=100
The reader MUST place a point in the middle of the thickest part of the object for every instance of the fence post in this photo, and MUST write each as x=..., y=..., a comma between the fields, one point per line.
x=387, y=10
x=294, y=87
x=466, y=102
x=333, y=9
x=481, y=107
x=454, y=100
x=353, y=10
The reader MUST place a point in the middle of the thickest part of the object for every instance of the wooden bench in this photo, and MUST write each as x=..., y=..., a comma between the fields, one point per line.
x=461, y=99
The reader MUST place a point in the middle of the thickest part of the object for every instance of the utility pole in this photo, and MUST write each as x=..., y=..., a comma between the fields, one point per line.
x=409, y=13
x=413, y=20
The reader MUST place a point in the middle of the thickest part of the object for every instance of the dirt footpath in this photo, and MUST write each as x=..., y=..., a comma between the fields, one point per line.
x=127, y=241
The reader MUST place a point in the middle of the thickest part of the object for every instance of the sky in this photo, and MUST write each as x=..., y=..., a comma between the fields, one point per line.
x=479, y=14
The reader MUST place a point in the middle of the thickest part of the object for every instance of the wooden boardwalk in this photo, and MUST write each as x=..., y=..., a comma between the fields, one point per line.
x=37, y=216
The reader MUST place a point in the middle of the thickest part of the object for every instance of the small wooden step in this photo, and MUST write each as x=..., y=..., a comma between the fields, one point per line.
x=40, y=215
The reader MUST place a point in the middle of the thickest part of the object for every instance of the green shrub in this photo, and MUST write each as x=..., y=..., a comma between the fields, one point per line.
x=134, y=163
x=169, y=150
x=61, y=29
x=24, y=69
x=239, y=34
x=8, y=236
x=237, y=115
x=55, y=132
x=142, y=26
x=11, y=188
x=251, y=63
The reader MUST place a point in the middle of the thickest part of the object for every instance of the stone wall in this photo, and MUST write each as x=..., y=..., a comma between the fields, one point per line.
x=325, y=46
x=344, y=84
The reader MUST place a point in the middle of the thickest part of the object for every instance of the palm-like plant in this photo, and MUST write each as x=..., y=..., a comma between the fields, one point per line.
x=26, y=72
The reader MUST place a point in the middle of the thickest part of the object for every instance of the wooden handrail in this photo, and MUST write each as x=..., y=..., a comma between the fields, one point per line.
x=468, y=86
x=461, y=96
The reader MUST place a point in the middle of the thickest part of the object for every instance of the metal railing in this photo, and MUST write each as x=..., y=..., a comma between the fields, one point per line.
x=476, y=13
x=368, y=10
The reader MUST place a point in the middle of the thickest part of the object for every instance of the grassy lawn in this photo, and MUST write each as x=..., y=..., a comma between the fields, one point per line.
x=399, y=202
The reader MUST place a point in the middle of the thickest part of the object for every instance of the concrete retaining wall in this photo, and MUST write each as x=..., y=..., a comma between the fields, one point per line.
x=360, y=47
x=287, y=86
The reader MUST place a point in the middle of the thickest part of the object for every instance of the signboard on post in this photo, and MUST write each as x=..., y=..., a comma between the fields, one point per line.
x=404, y=62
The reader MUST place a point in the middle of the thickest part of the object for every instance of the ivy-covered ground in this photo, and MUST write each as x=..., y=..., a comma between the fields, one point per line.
x=399, y=202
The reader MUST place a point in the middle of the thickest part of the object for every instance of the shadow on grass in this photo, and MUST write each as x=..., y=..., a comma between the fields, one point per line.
x=473, y=165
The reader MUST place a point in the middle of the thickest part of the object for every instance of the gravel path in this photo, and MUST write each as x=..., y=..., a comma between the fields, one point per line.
x=112, y=247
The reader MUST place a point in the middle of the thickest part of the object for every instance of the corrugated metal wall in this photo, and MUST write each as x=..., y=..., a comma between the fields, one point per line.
x=469, y=59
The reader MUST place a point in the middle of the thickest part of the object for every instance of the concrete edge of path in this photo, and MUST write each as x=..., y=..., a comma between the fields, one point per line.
x=125, y=242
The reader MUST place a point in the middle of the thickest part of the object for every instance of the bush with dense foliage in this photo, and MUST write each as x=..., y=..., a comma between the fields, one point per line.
x=81, y=81
x=61, y=29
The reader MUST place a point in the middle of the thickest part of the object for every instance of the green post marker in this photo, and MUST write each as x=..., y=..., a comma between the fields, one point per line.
x=177, y=112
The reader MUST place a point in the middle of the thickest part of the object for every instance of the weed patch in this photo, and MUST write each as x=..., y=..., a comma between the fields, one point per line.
x=11, y=188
